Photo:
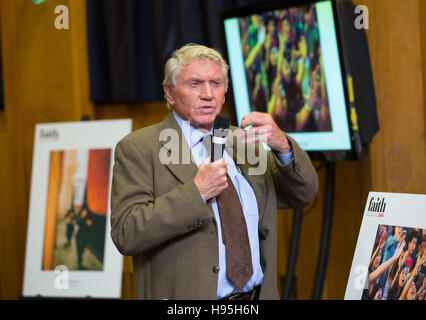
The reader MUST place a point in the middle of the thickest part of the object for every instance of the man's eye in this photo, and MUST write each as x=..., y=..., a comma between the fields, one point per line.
x=217, y=83
x=194, y=84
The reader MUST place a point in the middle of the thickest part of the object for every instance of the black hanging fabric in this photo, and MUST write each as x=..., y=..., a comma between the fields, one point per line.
x=120, y=39
x=129, y=42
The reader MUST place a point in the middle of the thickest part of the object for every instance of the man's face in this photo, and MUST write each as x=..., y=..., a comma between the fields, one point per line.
x=199, y=93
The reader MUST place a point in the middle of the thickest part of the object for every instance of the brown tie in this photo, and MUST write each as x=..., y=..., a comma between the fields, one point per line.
x=234, y=235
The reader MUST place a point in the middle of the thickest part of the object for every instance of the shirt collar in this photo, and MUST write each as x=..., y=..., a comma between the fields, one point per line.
x=193, y=135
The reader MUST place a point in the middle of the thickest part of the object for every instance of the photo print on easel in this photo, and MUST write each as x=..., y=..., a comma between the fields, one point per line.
x=69, y=251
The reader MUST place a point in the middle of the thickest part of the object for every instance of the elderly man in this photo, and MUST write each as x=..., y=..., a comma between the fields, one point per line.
x=176, y=218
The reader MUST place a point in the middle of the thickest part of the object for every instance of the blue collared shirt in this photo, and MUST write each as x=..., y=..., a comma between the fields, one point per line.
x=248, y=203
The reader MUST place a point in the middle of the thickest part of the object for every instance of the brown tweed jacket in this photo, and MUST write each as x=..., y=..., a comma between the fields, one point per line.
x=159, y=217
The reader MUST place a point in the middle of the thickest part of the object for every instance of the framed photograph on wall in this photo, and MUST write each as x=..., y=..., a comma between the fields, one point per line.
x=69, y=251
x=390, y=257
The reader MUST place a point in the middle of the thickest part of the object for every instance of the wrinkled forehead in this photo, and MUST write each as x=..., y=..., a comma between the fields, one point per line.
x=202, y=69
x=201, y=62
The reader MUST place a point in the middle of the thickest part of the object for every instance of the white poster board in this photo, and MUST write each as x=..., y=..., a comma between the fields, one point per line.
x=389, y=263
x=69, y=251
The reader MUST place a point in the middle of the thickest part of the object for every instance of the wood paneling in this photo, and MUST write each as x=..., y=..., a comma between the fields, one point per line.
x=422, y=11
x=398, y=153
x=45, y=80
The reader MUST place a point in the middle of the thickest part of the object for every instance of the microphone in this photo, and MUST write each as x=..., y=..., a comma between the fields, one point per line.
x=220, y=132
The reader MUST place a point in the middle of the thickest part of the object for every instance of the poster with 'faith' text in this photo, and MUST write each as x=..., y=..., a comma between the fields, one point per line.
x=390, y=259
x=69, y=252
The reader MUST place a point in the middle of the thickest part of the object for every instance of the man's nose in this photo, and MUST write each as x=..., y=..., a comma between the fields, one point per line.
x=206, y=92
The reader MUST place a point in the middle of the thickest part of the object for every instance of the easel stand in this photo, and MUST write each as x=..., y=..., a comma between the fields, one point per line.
x=326, y=230
x=292, y=257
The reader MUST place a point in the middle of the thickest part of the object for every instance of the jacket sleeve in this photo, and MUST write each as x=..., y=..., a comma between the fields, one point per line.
x=297, y=182
x=140, y=220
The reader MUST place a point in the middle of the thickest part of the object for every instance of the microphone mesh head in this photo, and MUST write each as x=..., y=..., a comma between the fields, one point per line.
x=221, y=122
x=221, y=126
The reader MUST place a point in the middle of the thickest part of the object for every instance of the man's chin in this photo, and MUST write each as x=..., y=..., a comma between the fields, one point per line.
x=205, y=122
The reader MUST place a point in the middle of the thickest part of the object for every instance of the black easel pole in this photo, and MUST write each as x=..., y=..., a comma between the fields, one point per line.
x=326, y=230
x=292, y=257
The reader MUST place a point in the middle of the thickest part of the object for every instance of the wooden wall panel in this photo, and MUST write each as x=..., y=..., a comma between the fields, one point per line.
x=399, y=150
x=422, y=12
x=41, y=84
x=12, y=216
x=3, y=226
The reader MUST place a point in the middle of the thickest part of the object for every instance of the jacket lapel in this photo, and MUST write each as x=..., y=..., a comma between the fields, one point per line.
x=184, y=169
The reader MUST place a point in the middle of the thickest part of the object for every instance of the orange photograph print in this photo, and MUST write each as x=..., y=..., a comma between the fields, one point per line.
x=76, y=209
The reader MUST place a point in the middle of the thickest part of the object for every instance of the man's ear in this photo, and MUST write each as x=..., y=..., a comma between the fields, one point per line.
x=168, y=94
